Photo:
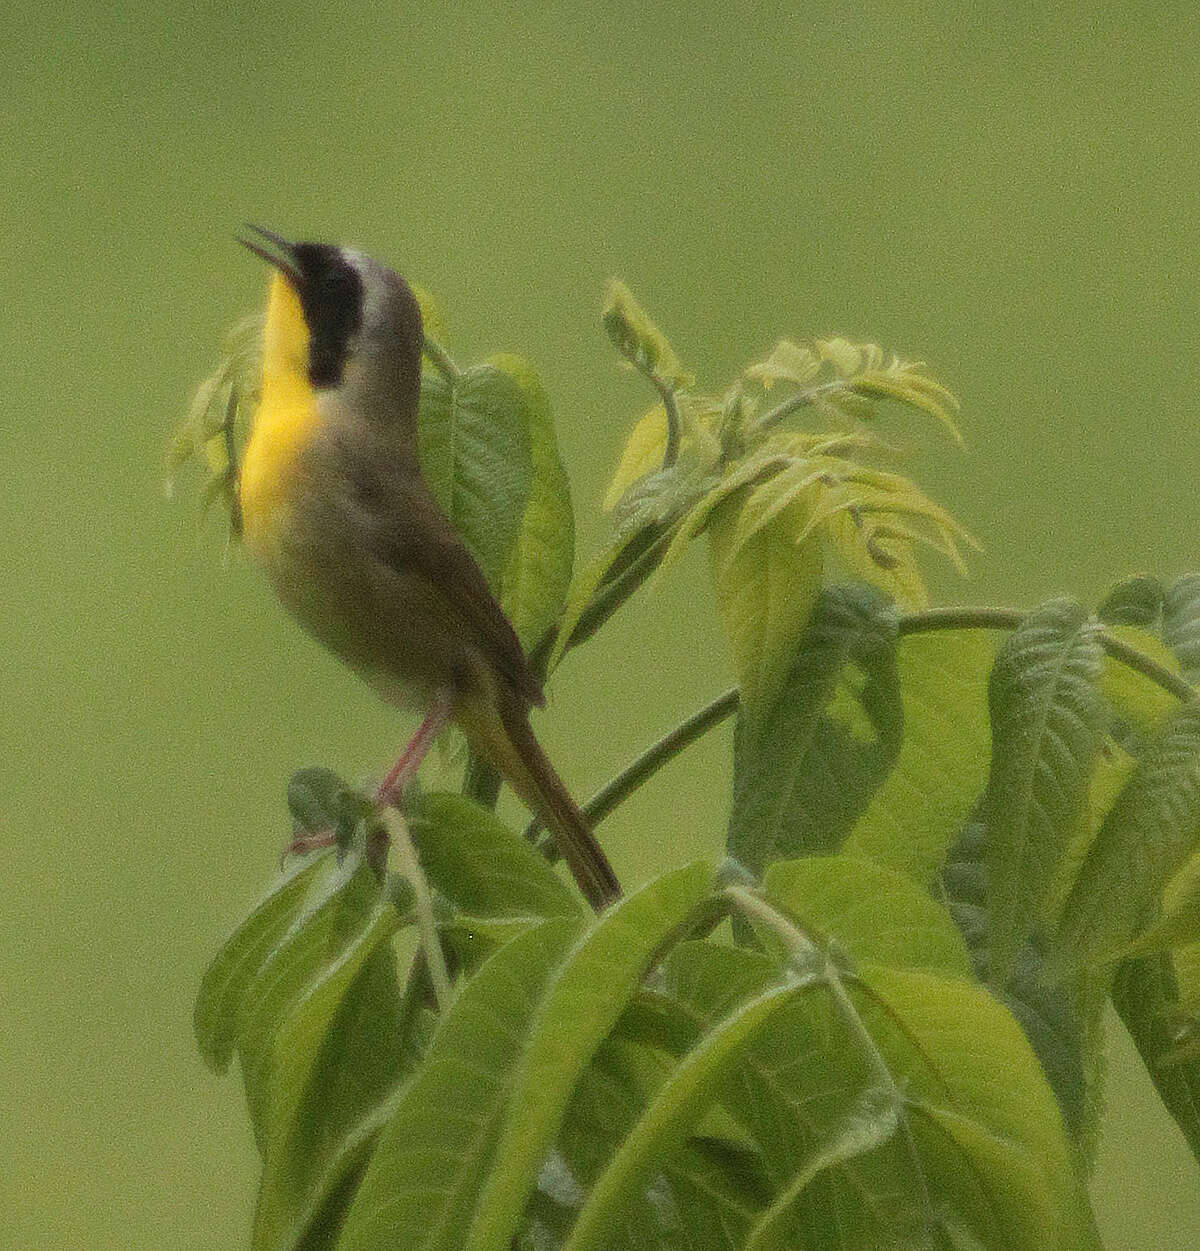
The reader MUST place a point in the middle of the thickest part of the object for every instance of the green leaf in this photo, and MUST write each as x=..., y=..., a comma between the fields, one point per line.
x=870, y=1122
x=485, y=869
x=642, y=455
x=1151, y=829
x=878, y=915
x=806, y=765
x=474, y=440
x=580, y=1007
x=1181, y=624
x=339, y=1051
x=1146, y=995
x=942, y=764
x=538, y=573
x=1179, y=923
x=421, y=1186
x=1047, y=723
x=1047, y=1013
x=672, y=1115
x=766, y=588
x=228, y=978
x=320, y=936
x=964, y=1062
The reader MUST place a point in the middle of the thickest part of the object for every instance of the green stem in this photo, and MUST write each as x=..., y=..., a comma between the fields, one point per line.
x=439, y=358
x=614, y=793
x=802, y=399
x=634, y=775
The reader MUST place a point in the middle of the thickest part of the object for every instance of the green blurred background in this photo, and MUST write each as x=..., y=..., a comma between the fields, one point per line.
x=1006, y=190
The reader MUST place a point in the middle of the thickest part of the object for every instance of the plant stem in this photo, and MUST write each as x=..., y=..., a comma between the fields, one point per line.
x=802, y=399
x=431, y=944
x=614, y=792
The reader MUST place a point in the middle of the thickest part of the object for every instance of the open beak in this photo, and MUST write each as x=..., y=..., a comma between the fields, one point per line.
x=283, y=256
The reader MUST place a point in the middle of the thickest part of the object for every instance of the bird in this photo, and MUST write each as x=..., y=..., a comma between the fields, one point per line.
x=335, y=510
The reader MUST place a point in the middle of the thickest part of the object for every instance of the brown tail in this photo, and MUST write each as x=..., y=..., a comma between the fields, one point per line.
x=514, y=750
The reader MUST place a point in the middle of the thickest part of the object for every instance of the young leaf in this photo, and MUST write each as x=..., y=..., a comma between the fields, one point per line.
x=485, y=869
x=1138, y=601
x=228, y=978
x=1146, y=996
x=421, y=1186
x=878, y=915
x=942, y=764
x=1181, y=623
x=765, y=589
x=1147, y=835
x=1047, y=722
x=535, y=580
x=338, y=1052
x=806, y=765
x=473, y=435
x=643, y=455
x=580, y=1007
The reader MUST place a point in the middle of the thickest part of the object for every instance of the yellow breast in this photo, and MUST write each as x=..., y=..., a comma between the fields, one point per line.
x=286, y=421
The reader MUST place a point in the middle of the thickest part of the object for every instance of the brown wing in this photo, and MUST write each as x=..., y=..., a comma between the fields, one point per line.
x=411, y=535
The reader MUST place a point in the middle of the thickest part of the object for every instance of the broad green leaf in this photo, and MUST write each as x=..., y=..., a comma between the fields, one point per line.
x=672, y=1115
x=321, y=937
x=1047, y=723
x=1047, y=1013
x=642, y=456
x=1181, y=624
x=421, y=1186
x=638, y=339
x=580, y=1007
x=535, y=581
x=1150, y=831
x=765, y=591
x=338, y=1053
x=474, y=440
x=228, y=978
x=878, y=915
x=959, y=1055
x=485, y=869
x=1146, y=995
x=941, y=767
x=806, y=765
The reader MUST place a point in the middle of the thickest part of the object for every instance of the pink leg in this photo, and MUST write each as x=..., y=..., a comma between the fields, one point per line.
x=405, y=769
x=399, y=776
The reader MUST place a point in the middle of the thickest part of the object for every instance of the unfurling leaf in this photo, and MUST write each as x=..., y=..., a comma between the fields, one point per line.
x=638, y=339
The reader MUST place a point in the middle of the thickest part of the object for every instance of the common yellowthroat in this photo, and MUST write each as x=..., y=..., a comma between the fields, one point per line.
x=335, y=510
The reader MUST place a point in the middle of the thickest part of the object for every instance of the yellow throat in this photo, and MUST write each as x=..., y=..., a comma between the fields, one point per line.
x=286, y=419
